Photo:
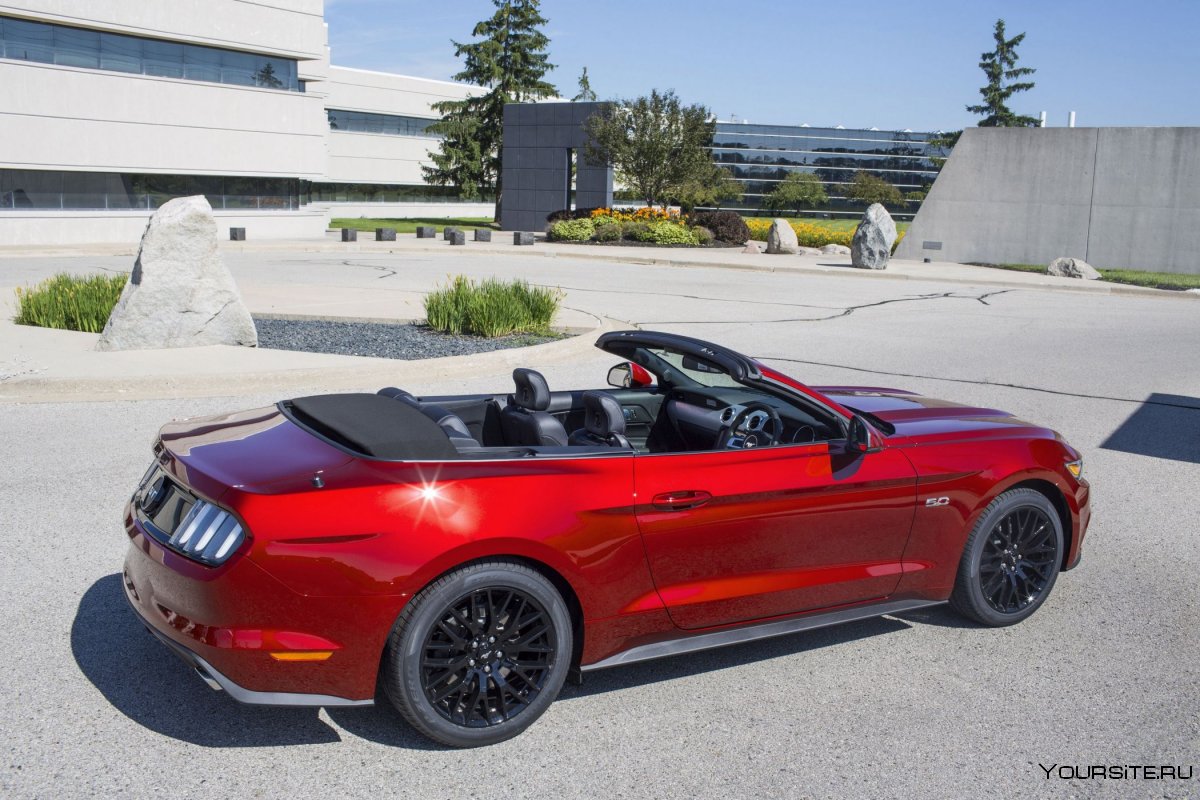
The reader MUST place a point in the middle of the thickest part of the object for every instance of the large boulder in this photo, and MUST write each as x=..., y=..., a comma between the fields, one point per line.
x=835, y=250
x=873, y=239
x=782, y=237
x=180, y=293
x=1072, y=268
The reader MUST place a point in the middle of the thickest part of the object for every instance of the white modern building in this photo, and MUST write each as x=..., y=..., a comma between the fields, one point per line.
x=108, y=108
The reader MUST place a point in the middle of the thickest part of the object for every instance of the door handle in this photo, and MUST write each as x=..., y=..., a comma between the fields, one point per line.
x=681, y=501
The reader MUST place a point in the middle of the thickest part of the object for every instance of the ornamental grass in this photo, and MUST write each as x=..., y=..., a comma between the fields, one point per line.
x=491, y=307
x=70, y=302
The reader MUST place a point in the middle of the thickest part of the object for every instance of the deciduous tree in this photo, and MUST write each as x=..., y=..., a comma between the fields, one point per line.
x=797, y=191
x=657, y=145
x=868, y=189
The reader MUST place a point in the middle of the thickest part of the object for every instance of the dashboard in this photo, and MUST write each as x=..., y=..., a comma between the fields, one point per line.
x=700, y=415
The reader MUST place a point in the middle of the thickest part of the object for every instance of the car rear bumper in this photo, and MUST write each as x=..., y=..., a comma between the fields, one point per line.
x=220, y=683
x=249, y=635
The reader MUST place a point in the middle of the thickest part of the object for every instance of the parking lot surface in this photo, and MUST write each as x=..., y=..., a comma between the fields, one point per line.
x=920, y=705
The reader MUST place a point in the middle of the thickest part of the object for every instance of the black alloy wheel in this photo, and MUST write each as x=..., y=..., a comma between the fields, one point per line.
x=1018, y=560
x=487, y=657
x=479, y=654
x=1011, y=559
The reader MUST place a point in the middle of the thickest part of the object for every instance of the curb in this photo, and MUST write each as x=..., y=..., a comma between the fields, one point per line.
x=358, y=372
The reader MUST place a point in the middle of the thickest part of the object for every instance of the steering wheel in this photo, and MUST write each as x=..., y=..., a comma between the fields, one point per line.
x=752, y=434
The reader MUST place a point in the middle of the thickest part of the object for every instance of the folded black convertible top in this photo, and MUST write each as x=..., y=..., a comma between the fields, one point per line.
x=373, y=426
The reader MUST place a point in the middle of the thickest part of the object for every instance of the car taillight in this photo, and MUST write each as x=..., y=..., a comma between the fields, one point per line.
x=208, y=534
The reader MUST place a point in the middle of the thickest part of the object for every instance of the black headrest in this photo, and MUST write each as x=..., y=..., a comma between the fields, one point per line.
x=602, y=414
x=532, y=392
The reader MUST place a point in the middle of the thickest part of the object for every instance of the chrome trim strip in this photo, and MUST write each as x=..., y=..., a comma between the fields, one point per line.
x=751, y=633
x=219, y=682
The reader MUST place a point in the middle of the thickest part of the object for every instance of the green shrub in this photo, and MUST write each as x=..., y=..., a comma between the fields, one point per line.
x=671, y=233
x=703, y=234
x=491, y=307
x=608, y=232
x=635, y=231
x=572, y=230
x=70, y=302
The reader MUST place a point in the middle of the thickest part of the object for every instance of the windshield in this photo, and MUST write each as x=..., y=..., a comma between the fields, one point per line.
x=702, y=372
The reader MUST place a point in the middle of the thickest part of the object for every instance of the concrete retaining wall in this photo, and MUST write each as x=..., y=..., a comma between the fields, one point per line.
x=1115, y=197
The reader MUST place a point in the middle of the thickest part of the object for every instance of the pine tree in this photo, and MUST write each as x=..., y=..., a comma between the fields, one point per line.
x=508, y=59
x=585, y=94
x=1000, y=65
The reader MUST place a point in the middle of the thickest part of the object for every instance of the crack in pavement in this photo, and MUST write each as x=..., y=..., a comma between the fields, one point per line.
x=1022, y=387
x=674, y=296
x=844, y=312
x=387, y=272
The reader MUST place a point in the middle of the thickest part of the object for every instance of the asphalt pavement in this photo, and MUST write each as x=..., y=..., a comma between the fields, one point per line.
x=920, y=705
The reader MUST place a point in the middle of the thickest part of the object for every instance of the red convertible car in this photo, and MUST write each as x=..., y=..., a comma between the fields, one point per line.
x=469, y=554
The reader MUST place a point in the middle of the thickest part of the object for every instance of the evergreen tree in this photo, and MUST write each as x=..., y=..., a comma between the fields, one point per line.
x=508, y=59
x=585, y=89
x=1000, y=66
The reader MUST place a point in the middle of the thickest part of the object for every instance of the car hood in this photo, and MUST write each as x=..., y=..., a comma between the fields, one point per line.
x=916, y=417
x=248, y=449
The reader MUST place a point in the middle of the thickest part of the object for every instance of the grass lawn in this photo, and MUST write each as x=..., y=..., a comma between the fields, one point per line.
x=838, y=225
x=409, y=224
x=1156, y=280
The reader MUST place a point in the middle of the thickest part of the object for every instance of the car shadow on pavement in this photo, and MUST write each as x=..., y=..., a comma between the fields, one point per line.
x=152, y=687
x=1163, y=426
x=682, y=666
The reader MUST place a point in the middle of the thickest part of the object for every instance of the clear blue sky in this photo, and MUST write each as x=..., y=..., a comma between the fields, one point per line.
x=895, y=64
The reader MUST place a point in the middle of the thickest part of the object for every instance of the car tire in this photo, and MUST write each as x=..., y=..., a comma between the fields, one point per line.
x=479, y=654
x=1010, y=561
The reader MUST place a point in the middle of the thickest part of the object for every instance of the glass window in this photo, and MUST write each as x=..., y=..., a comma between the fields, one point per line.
x=84, y=190
x=164, y=59
x=120, y=53
x=35, y=189
x=202, y=64
x=241, y=192
x=80, y=47
x=387, y=124
x=76, y=47
x=238, y=68
x=272, y=73
x=28, y=41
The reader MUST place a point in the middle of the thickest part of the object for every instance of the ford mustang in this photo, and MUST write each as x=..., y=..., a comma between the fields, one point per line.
x=464, y=556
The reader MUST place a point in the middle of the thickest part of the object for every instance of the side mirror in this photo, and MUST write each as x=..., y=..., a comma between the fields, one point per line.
x=860, y=437
x=629, y=376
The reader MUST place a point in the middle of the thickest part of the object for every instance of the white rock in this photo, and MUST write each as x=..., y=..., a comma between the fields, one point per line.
x=782, y=237
x=1072, y=268
x=180, y=293
x=873, y=239
x=808, y=251
x=835, y=250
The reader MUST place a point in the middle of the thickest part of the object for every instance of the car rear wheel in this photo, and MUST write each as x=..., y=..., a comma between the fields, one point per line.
x=478, y=655
x=1010, y=561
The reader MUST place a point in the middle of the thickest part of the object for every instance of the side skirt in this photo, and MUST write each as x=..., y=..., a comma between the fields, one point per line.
x=751, y=633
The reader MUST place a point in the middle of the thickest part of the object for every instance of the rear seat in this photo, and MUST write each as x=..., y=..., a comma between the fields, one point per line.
x=449, y=422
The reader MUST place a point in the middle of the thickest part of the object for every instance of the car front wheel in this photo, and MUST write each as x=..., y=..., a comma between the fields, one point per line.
x=1010, y=561
x=478, y=655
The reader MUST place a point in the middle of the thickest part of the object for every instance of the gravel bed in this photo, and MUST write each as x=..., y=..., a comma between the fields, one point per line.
x=378, y=339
